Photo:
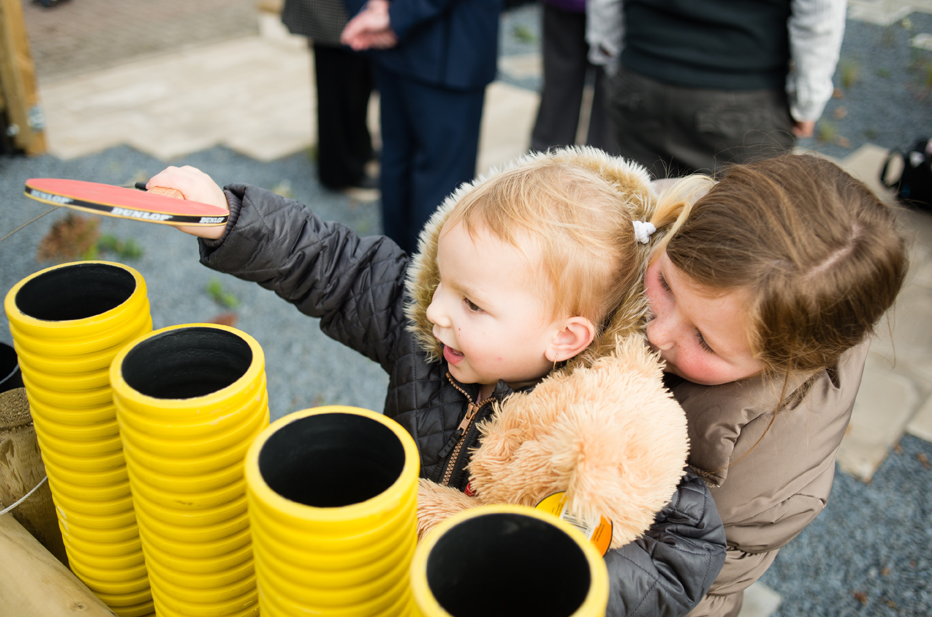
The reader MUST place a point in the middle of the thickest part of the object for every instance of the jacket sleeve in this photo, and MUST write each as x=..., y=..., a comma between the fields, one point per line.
x=668, y=570
x=816, y=29
x=354, y=285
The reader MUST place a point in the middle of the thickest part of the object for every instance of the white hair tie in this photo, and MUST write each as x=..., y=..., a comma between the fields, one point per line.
x=643, y=231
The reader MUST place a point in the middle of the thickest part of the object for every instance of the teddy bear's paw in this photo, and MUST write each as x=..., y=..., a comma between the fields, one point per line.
x=436, y=503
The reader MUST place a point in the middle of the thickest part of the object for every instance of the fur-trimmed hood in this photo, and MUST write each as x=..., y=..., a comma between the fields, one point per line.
x=602, y=428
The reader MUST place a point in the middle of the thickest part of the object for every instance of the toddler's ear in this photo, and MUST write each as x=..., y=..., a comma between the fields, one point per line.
x=575, y=334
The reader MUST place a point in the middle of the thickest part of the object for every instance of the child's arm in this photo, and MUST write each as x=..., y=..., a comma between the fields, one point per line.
x=670, y=568
x=355, y=285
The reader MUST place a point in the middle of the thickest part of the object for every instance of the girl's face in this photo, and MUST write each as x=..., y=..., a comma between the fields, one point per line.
x=486, y=311
x=703, y=336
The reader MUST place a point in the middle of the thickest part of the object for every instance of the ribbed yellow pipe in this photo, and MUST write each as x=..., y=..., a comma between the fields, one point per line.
x=501, y=561
x=68, y=323
x=333, y=507
x=190, y=400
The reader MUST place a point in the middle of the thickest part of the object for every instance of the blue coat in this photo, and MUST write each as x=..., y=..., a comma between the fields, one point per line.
x=448, y=43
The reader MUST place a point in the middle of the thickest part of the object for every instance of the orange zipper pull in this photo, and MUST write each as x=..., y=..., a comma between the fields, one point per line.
x=471, y=411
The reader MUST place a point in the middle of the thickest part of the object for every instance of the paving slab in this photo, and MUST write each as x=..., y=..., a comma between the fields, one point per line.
x=885, y=404
x=759, y=601
x=885, y=12
x=921, y=424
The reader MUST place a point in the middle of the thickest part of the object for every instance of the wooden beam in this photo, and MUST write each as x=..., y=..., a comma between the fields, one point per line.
x=18, y=78
x=35, y=584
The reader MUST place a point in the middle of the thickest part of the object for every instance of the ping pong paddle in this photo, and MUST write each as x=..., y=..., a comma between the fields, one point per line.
x=157, y=205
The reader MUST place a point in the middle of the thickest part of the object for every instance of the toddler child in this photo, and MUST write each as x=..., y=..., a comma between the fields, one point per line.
x=517, y=274
x=764, y=294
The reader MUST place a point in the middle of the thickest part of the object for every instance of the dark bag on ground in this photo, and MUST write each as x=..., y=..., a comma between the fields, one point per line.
x=914, y=186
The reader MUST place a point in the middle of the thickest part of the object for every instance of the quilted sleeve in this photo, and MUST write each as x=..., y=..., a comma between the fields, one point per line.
x=354, y=285
x=668, y=570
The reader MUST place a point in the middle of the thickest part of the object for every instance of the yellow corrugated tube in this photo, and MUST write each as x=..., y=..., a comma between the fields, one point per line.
x=333, y=504
x=502, y=560
x=68, y=322
x=190, y=400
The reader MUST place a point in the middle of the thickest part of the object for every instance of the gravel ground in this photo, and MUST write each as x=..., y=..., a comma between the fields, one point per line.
x=867, y=554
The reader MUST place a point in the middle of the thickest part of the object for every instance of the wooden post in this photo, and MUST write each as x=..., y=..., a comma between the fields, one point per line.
x=18, y=79
x=35, y=584
x=21, y=469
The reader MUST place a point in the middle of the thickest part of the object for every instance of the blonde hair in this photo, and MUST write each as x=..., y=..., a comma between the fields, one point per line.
x=580, y=221
x=818, y=250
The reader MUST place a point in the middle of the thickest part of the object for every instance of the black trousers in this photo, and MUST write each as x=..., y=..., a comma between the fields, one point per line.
x=566, y=69
x=675, y=130
x=430, y=142
x=344, y=146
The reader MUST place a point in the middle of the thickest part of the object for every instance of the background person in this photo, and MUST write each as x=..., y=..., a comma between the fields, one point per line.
x=567, y=69
x=433, y=60
x=694, y=85
x=343, y=84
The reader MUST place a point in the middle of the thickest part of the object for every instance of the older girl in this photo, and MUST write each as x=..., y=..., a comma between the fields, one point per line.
x=764, y=294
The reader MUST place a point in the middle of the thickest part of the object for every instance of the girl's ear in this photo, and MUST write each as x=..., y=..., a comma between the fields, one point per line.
x=574, y=335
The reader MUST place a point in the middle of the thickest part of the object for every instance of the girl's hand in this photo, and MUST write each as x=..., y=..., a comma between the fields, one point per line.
x=194, y=185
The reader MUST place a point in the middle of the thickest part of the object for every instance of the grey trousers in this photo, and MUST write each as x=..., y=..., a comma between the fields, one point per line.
x=566, y=70
x=675, y=130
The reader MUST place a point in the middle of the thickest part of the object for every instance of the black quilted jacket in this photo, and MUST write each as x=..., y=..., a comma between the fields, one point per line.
x=356, y=286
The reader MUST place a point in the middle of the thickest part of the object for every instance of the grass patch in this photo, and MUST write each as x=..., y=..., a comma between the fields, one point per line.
x=850, y=73
x=825, y=131
x=221, y=296
x=124, y=249
x=523, y=34
x=283, y=189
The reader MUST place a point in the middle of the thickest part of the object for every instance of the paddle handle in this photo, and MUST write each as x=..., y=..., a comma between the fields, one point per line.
x=161, y=190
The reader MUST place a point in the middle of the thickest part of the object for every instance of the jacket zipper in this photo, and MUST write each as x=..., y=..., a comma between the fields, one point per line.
x=459, y=436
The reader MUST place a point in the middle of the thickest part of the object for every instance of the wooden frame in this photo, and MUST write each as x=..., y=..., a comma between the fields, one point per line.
x=18, y=95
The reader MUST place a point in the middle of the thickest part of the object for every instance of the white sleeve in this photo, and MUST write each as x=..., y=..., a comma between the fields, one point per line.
x=605, y=28
x=816, y=29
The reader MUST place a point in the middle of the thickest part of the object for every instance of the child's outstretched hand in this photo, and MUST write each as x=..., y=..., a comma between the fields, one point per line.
x=194, y=185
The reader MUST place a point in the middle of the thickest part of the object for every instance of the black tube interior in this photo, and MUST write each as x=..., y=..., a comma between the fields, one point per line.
x=10, y=377
x=75, y=291
x=186, y=363
x=331, y=460
x=501, y=565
